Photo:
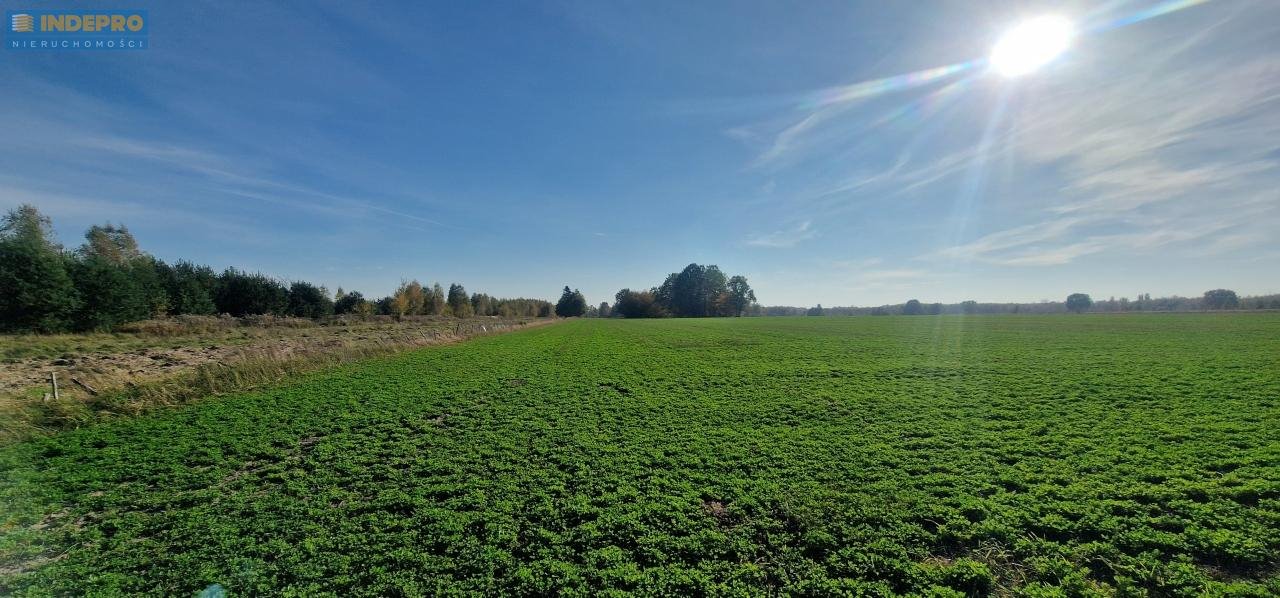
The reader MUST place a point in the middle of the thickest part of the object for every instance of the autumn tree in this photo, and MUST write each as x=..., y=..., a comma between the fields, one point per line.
x=435, y=300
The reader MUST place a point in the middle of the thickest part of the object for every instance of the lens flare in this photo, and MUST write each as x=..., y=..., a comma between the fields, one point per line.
x=1031, y=45
x=866, y=89
x=1152, y=12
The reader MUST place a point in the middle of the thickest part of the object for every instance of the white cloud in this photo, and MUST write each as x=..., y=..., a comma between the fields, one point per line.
x=784, y=238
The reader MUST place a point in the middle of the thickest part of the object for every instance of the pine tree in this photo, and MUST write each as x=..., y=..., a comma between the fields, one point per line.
x=117, y=282
x=38, y=294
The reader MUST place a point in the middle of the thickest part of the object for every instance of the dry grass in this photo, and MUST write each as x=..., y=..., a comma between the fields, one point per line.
x=194, y=325
x=30, y=411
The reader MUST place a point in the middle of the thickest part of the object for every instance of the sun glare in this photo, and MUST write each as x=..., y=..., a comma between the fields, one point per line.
x=1030, y=45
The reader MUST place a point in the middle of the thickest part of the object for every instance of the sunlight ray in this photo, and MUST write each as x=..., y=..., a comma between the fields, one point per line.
x=875, y=87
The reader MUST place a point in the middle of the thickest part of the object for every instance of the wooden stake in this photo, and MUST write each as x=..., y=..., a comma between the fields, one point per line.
x=53, y=377
x=91, y=390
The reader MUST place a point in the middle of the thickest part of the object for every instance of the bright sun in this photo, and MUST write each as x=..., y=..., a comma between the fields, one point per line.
x=1031, y=44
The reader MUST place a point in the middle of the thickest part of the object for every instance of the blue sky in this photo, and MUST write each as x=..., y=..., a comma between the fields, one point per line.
x=519, y=147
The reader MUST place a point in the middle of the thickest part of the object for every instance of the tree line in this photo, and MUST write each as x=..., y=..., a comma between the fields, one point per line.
x=109, y=281
x=412, y=298
x=1216, y=299
x=696, y=292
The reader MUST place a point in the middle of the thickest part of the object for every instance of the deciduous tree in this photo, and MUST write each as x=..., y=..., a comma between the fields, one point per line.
x=739, y=296
x=1221, y=299
x=572, y=304
x=459, y=302
x=1079, y=302
x=912, y=308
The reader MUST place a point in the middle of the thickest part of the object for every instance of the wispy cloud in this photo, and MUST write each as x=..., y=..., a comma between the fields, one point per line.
x=1134, y=145
x=998, y=243
x=1191, y=157
x=784, y=238
x=894, y=275
x=857, y=264
x=898, y=280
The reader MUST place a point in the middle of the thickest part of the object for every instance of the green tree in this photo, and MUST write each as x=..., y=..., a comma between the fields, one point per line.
x=36, y=291
x=912, y=308
x=242, y=294
x=637, y=304
x=309, y=301
x=117, y=282
x=459, y=302
x=190, y=287
x=572, y=304
x=1079, y=302
x=739, y=296
x=693, y=292
x=350, y=303
x=1221, y=299
x=110, y=296
x=482, y=304
x=383, y=306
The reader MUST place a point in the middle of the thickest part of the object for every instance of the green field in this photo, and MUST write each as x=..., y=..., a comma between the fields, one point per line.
x=1027, y=455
